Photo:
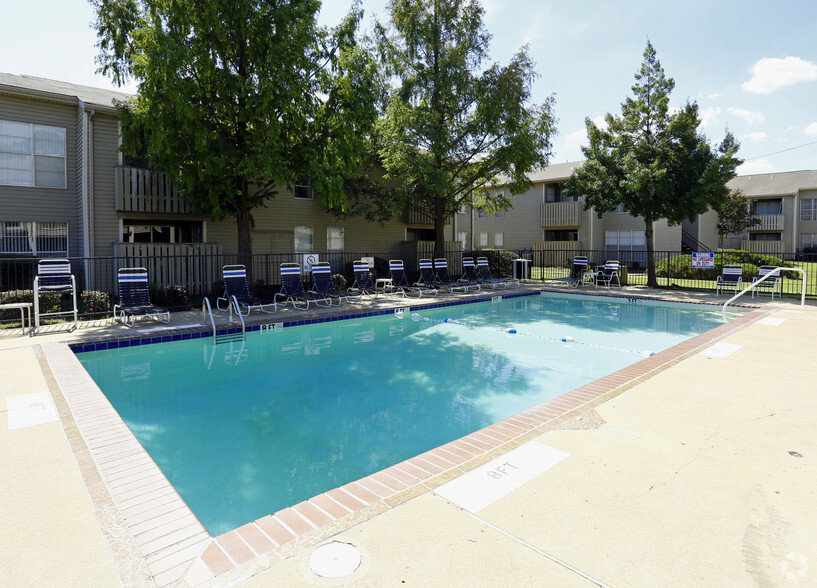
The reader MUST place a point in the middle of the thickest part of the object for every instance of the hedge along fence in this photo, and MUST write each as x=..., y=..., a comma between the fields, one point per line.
x=91, y=303
x=680, y=266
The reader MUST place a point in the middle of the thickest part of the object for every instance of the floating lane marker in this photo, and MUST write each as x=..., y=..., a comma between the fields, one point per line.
x=491, y=481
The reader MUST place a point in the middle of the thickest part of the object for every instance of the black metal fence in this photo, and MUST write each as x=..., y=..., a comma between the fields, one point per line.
x=200, y=275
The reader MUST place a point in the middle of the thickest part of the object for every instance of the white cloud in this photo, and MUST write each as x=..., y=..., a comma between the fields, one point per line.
x=811, y=129
x=757, y=166
x=713, y=95
x=710, y=116
x=759, y=136
x=747, y=115
x=770, y=74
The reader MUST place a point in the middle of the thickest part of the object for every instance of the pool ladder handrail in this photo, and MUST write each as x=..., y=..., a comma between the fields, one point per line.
x=776, y=273
x=207, y=310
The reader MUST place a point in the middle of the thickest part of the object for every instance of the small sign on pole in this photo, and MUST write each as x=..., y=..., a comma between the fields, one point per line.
x=703, y=261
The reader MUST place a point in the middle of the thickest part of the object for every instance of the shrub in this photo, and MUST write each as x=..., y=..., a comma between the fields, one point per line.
x=176, y=296
x=95, y=302
x=49, y=302
x=339, y=281
x=680, y=266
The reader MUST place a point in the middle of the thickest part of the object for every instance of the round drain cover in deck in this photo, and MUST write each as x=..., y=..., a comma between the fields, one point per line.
x=334, y=560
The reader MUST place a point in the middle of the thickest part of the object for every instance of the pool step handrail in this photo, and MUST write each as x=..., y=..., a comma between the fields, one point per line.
x=775, y=273
x=207, y=312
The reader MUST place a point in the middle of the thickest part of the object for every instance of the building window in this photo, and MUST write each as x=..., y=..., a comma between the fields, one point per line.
x=626, y=246
x=765, y=236
x=482, y=214
x=553, y=193
x=618, y=209
x=304, y=239
x=483, y=239
x=40, y=239
x=32, y=155
x=462, y=237
x=499, y=240
x=334, y=238
x=303, y=188
x=562, y=235
x=808, y=240
x=500, y=214
x=140, y=231
x=771, y=206
x=808, y=209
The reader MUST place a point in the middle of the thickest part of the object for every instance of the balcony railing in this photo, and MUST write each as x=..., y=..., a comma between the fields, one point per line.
x=144, y=190
x=560, y=214
x=769, y=222
x=763, y=246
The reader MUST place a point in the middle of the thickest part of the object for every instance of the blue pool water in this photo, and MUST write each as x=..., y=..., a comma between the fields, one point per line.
x=244, y=430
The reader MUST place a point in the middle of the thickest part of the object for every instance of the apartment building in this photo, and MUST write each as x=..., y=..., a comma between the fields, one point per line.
x=545, y=219
x=66, y=190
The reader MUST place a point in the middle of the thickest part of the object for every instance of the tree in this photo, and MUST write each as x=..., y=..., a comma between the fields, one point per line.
x=450, y=128
x=734, y=216
x=238, y=98
x=653, y=162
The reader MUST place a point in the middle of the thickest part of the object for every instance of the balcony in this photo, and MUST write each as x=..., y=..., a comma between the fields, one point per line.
x=767, y=247
x=769, y=222
x=417, y=213
x=144, y=190
x=560, y=214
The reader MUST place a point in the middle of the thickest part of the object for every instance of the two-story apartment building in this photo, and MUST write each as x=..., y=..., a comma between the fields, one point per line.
x=66, y=190
x=545, y=219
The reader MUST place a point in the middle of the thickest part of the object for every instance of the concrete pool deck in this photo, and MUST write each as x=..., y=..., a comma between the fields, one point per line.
x=699, y=474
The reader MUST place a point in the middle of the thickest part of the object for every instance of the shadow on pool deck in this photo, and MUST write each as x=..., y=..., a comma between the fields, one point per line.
x=700, y=474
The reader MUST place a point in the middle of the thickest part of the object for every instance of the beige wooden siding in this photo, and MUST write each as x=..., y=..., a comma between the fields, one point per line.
x=105, y=157
x=28, y=203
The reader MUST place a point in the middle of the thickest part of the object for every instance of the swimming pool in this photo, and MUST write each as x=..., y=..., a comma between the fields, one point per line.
x=244, y=430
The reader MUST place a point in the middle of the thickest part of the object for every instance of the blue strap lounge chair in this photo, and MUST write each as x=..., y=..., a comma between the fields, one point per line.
x=485, y=276
x=237, y=289
x=400, y=283
x=444, y=278
x=427, y=277
x=731, y=278
x=292, y=289
x=363, y=284
x=469, y=271
x=608, y=273
x=770, y=284
x=134, y=298
x=54, y=275
x=579, y=272
x=323, y=284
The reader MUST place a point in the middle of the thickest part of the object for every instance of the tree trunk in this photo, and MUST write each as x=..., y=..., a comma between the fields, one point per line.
x=244, y=225
x=439, y=228
x=652, y=281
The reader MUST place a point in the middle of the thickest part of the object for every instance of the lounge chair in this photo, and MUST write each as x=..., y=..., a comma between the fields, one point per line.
x=469, y=271
x=579, y=272
x=237, y=288
x=427, y=277
x=443, y=278
x=134, y=298
x=731, y=278
x=486, y=277
x=608, y=273
x=400, y=283
x=363, y=284
x=770, y=284
x=323, y=284
x=54, y=275
x=292, y=289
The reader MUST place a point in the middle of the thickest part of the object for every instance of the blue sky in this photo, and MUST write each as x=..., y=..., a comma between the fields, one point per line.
x=751, y=66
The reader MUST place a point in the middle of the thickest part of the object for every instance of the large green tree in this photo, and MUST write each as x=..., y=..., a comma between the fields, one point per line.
x=735, y=216
x=238, y=98
x=654, y=162
x=451, y=127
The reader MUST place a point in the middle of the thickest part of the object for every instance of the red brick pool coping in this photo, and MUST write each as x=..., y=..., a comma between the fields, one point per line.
x=157, y=540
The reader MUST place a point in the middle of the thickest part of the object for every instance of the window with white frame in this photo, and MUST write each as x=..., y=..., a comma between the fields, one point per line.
x=39, y=239
x=334, y=238
x=499, y=240
x=304, y=239
x=808, y=209
x=808, y=240
x=483, y=239
x=462, y=237
x=625, y=245
x=32, y=155
x=303, y=188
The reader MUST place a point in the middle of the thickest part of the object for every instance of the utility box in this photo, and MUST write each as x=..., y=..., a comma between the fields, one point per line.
x=521, y=269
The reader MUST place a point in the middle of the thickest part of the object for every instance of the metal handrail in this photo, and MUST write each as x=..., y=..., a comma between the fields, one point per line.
x=206, y=309
x=772, y=274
